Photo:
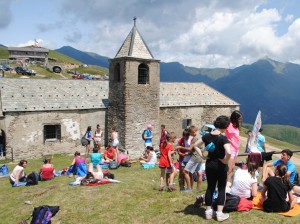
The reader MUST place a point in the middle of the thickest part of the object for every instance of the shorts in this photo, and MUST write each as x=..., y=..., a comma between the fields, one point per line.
x=192, y=166
x=183, y=164
x=234, y=154
x=170, y=168
x=115, y=143
x=98, y=174
x=148, y=144
x=98, y=142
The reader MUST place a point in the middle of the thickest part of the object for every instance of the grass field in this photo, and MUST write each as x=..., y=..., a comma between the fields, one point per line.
x=135, y=200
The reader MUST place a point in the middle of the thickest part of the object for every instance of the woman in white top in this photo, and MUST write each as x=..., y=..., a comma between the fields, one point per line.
x=114, y=139
x=150, y=156
x=98, y=137
x=245, y=182
x=17, y=177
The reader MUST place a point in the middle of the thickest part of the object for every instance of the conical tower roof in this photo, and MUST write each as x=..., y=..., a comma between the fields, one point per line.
x=134, y=46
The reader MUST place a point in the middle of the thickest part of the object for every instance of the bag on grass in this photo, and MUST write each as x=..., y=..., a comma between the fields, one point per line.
x=43, y=214
x=108, y=175
x=4, y=169
x=32, y=179
x=113, y=165
x=231, y=203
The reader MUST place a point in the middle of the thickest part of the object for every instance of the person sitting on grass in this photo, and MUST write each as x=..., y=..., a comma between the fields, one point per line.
x=110, y=154
x=245, y=182
x=47, y=170
x=76, y=161
x=18, y=177
x=95, y=157
x=277, y=187
x=149, y=157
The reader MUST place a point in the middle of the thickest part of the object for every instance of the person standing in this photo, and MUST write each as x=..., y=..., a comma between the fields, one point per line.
x=218, y=147
x=163, y=134
x=1, y=144
x=115, y=139
x=98, y=138
x=233, y=135
x=261, y=141
x=89, y=138
x=147, y=135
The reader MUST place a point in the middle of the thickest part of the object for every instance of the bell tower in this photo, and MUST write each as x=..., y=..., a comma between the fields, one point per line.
x=134, y=85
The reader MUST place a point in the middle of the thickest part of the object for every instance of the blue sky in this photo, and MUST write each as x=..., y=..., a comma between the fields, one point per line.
x=206, y=33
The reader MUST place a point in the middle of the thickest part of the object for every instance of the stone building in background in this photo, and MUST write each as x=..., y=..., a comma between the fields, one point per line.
x=40, y=117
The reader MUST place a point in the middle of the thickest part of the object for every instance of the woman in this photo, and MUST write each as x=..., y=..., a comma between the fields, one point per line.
x=114, y=139
x=233, y=135
x=218, y=147
x=110, y=154
x=149, y=157
x=89, y=138
x=277, y=188
x=98, y=138
x=76, y=161
x=47, y=170
x=17, y=177
x=95, y=157
x=245, y=182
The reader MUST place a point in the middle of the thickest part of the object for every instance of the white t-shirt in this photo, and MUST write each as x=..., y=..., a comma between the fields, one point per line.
x=187, y=143
x=153, y=159
x=242, y=182
x=15, y=171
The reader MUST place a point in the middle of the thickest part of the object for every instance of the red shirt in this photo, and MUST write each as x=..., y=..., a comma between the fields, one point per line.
x=164, y=160
x=47, y=172
x=110, y=153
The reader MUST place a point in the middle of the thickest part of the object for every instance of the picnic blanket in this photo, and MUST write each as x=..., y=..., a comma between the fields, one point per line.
x=100, y=182
x=293, y=212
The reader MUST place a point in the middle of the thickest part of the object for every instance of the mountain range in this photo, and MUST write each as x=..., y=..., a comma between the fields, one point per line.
x=266, y=85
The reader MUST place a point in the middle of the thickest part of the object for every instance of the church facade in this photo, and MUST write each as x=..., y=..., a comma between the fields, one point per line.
x=40, y=117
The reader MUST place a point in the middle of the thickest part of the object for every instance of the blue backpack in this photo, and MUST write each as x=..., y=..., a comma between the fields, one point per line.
x=4, y=170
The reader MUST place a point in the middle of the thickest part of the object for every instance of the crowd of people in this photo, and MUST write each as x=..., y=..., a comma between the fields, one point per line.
x=212, y=155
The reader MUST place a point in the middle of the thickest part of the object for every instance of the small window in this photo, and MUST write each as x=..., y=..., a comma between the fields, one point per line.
x=52, y=133
x=117, y=73
x=143, y=77
x=186, y=123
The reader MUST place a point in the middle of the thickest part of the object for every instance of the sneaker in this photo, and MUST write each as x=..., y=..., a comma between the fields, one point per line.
x=161, y=188
x=223, y=216
x=171, y=188
x=209, y=214
x=187, y=191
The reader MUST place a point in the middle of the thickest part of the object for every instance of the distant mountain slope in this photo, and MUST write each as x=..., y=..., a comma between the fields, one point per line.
x=85, y=57
x=2, y=46
x=266, y=85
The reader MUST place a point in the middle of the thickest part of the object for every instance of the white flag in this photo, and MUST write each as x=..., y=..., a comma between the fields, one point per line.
x=253, y=138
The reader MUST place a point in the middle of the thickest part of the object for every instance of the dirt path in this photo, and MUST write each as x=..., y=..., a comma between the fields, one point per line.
x=295, y=159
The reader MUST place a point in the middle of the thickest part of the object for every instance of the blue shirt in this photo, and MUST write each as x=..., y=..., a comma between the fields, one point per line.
x=260, y=141
x=147, y=134
x=290, y=168
x=95, y=158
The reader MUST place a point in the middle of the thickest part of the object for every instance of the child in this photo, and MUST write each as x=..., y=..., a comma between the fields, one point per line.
x=277, y=187
x=166, y=161
x=184, y=156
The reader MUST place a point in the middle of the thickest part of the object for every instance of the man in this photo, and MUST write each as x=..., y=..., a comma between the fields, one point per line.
x=147, y=135
x=163, y=134
x=261, y=141
x=286, y=155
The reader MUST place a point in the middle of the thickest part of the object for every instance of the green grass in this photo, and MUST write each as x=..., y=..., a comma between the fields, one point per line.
x=135, y=200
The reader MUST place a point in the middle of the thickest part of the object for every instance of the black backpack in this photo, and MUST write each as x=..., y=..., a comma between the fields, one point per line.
x=32, y=179
x=143, y=137
x=231, y=203
x=43, y=214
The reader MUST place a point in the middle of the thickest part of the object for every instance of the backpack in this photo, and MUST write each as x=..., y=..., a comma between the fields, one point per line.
x=143, y=135
x=4, y=170
x=32, y=179
x=82, y=169
x=113, y=165
x=231, y=203
x=84, y=142
x=108, y=175
x=43, y=214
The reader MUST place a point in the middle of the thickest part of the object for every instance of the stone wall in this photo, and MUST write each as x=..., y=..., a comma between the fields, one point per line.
x=25, y=131
x=173, y=117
